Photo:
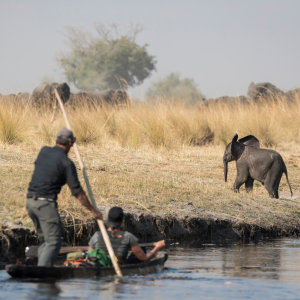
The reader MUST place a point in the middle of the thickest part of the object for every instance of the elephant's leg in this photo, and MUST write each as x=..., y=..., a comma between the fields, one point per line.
x=272, y=183
x=241, y=177
x=237, y=184
x=276, y=185
x=249, y=184
x=269, y=185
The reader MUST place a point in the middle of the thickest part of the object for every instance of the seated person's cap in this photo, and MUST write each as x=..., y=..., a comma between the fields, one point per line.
x=64, y=136
x=115, y=217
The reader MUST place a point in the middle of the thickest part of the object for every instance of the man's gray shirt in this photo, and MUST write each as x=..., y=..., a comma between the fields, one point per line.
x=122, y=242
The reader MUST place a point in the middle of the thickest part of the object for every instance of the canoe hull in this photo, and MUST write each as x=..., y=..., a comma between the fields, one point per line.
x=21, y=271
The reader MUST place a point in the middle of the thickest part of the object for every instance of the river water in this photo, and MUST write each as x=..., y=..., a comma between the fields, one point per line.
x=268, y=269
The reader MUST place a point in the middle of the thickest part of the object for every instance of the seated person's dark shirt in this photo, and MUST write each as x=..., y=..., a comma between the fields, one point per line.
x=53, y=169
x=122, y=242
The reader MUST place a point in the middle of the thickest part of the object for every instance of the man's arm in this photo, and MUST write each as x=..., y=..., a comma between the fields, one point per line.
x=77, y=191
x=141, y=255
x=83, y=199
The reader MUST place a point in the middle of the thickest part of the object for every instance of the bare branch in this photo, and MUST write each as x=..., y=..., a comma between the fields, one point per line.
x=115, y=28
x=108, y=32
x=112, y=32
x=76, y=37
x=103, y=31
x=134, y=30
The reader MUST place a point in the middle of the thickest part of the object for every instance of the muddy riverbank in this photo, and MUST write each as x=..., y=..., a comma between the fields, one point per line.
x=188, y=223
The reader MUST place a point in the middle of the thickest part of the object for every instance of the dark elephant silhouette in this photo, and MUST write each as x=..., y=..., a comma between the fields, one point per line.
x=109, y=96
x=44, y=95
x=226, y=99
x=293, y=94
x=263, y=90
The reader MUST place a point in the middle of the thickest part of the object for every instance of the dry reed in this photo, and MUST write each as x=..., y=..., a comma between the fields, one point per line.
x=164, y=123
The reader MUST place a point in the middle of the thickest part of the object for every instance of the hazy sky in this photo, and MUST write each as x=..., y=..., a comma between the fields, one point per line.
x=223, y=45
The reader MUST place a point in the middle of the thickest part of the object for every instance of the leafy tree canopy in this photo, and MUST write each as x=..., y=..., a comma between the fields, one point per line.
x=172, y=86
x=109, y=60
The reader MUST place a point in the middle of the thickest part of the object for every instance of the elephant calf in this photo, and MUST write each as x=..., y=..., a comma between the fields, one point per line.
x=253, y=163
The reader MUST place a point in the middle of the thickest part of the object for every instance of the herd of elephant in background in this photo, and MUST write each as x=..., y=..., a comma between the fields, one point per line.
x=264, y=90
x=44, y=93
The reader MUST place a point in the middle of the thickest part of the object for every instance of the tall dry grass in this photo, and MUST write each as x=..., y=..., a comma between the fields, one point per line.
x=164, y=123
x=12, y=122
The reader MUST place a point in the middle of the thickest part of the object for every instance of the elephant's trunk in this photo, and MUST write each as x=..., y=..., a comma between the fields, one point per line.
x=225, y=169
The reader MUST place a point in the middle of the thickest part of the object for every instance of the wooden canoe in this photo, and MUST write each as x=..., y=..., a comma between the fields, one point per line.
x=32, y=251
x=57, y=272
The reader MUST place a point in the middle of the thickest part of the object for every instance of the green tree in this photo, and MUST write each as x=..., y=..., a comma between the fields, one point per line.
x=107, y=60
x=172, y=86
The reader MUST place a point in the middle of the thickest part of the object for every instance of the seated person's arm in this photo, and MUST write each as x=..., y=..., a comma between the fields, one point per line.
x=141, y=255
x=90, y=249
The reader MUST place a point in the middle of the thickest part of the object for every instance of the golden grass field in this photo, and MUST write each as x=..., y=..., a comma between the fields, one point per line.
x=155, y=157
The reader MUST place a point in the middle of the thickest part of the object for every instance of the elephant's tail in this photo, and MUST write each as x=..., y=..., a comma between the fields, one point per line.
x=287, y=179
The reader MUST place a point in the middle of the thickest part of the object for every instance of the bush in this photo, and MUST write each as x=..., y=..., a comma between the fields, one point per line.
x=173, y=87
x=12, y=124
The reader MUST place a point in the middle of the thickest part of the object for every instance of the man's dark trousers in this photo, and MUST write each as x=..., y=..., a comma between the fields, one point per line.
x=45, y=217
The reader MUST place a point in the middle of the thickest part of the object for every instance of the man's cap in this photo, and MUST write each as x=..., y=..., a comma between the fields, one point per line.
x=115, y=217
x=64, y=136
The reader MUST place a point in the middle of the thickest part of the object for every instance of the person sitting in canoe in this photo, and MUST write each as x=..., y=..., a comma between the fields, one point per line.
x=122, y=241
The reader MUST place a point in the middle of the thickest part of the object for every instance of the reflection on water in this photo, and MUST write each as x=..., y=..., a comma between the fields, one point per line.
x=269, y=259
x=210, y=270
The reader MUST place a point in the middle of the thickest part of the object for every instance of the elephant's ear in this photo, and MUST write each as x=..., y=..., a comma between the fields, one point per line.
x=249, y=140
x=234, y=139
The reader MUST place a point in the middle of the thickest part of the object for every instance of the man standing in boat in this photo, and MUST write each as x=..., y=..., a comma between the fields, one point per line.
x=53, y=169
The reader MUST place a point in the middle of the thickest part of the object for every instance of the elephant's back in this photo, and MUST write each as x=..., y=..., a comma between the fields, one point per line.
x=263, y=89
x=266, y=157
x=43, y=91
x=107, y=95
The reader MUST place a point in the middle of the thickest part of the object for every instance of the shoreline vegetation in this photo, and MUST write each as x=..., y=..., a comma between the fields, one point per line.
x=157, y=158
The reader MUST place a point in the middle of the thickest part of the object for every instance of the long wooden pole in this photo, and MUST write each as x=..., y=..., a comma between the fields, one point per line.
x=91, y=195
